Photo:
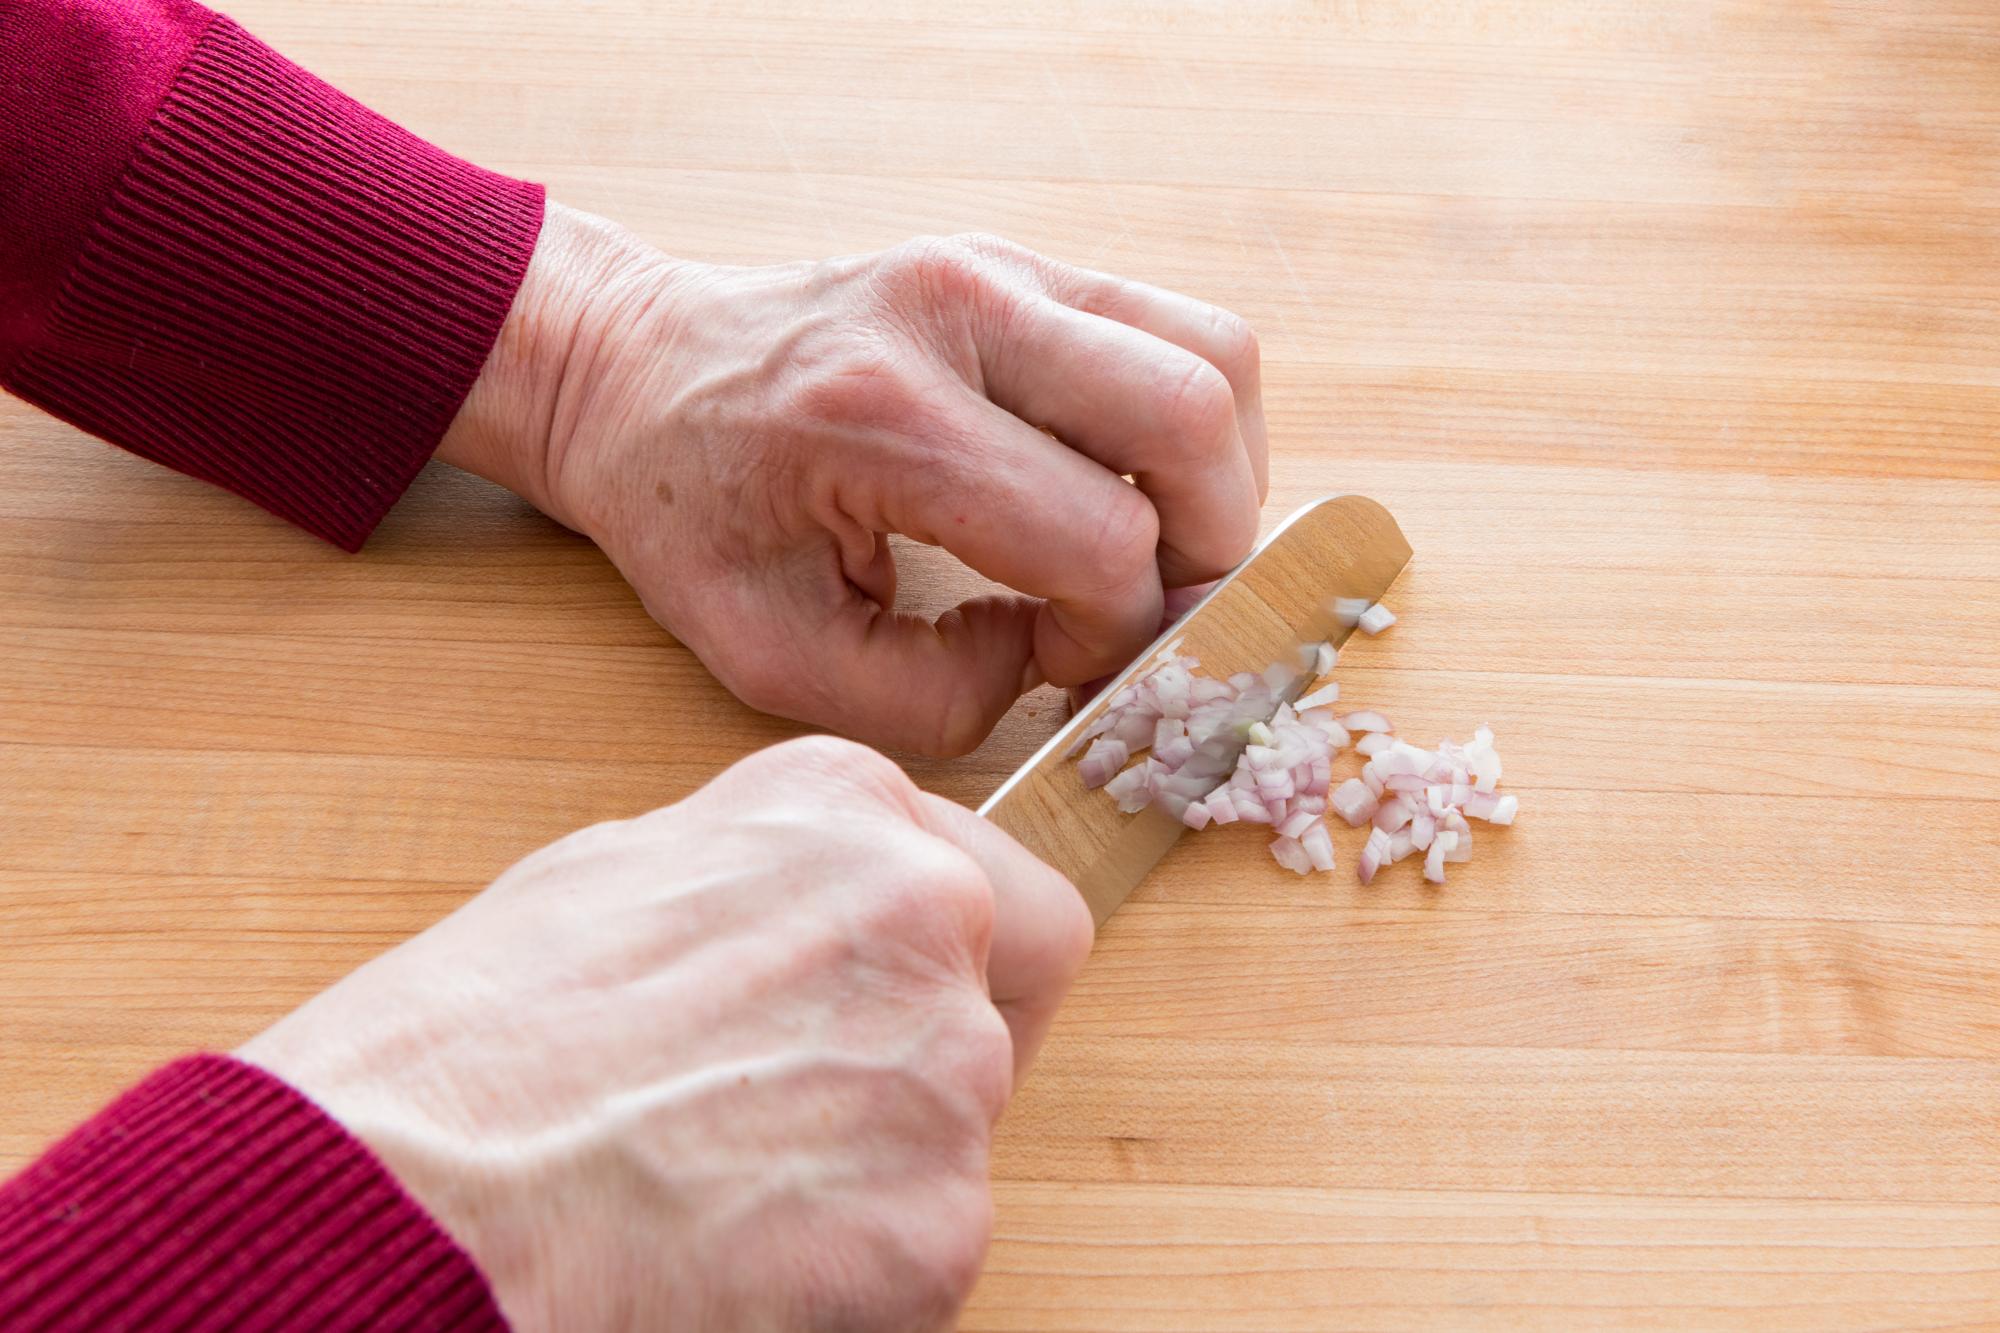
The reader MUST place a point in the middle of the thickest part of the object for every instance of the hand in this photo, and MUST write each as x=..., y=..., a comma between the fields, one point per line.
x=740, y=441
x=732, y=1064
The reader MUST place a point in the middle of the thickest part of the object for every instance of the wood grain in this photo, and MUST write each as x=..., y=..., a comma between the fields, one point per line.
x=1670, y=334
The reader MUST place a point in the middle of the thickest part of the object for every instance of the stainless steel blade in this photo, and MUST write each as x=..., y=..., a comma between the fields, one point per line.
x=1289, y=596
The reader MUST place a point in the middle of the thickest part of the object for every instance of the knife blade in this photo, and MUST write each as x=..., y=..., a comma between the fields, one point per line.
x=1294, y=592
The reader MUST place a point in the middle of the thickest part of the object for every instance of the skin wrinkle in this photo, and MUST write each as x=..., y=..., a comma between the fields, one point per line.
x=631, y=299
x=872, y=574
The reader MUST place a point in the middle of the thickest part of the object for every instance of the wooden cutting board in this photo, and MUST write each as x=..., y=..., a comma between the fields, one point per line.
x=1670, y=334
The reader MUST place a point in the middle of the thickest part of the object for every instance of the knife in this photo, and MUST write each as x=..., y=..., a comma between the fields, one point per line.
x=1296, y=591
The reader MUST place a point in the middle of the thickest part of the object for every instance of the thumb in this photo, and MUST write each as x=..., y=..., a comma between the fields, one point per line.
x=1042, y=929
x=936, y=687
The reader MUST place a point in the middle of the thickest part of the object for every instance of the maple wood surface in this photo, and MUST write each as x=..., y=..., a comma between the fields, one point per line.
x=1670, y=334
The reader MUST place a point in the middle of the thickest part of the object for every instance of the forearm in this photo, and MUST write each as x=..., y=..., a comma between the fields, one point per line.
x=215, y=260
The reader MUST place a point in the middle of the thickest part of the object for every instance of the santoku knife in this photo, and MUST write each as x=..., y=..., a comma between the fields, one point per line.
x=1298, y=589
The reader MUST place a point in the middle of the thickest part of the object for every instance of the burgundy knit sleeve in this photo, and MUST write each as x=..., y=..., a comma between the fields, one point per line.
x=211, y=258
x=213, y=1196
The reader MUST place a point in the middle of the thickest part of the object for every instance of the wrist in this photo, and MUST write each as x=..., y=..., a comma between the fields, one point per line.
x=514, y=425
x=381, y=1083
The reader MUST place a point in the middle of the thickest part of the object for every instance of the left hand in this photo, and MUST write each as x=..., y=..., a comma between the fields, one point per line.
x=741, y=441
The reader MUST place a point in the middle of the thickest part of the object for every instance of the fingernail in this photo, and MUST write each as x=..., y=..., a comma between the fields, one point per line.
x=1032, y=677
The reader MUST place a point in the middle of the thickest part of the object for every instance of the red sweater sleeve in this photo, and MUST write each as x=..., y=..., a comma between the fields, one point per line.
x=212, y=259
x=214, y=1196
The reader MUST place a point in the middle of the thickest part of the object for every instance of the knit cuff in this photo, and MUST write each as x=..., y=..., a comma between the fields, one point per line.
x=286, y=295
x=212, y=1195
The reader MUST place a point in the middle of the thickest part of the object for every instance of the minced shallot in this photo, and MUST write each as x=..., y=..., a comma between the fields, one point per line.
x=1375, y=619
x=1412, y=800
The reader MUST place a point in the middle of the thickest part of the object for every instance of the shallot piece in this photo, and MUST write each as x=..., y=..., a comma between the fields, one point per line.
x=1131, y=789
x=1392, y=814
x=1297, y=822
x=1441, y=846
x=1319, y=845
x=1376, y=619
x=1322, y=696
x=1291, y=855
x=1353, y=802
x=1428, y=795
x=1483, y=759
x=1374, y=853
x=1100, y=764
x=1413, y=801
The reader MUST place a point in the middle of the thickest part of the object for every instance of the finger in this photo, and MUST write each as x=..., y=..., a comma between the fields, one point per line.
x=1041, y=928
x=1137, y=404
x=804, y=642
x=1220, y=337
x=936, y=687
x=1178, y=602
x=871, y=568
x=1025, y=511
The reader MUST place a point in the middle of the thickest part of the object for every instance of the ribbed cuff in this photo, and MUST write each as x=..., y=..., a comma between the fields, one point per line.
x=286, y=295
x=212, y=1195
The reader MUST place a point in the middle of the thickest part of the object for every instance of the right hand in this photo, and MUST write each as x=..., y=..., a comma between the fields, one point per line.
x=733, y=1064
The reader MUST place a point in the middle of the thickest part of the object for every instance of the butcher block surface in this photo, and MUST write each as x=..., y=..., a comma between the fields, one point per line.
x=1670, y=334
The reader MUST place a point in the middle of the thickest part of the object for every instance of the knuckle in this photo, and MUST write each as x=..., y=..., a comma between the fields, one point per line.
x=863, y=386
x=960, y=893
x=1198, y=407
x=1237, y=354
x=944, y=270
x=832, y=758
x=934, y=896
x=958, y=727
x=986, y=1058
x=986, y=245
